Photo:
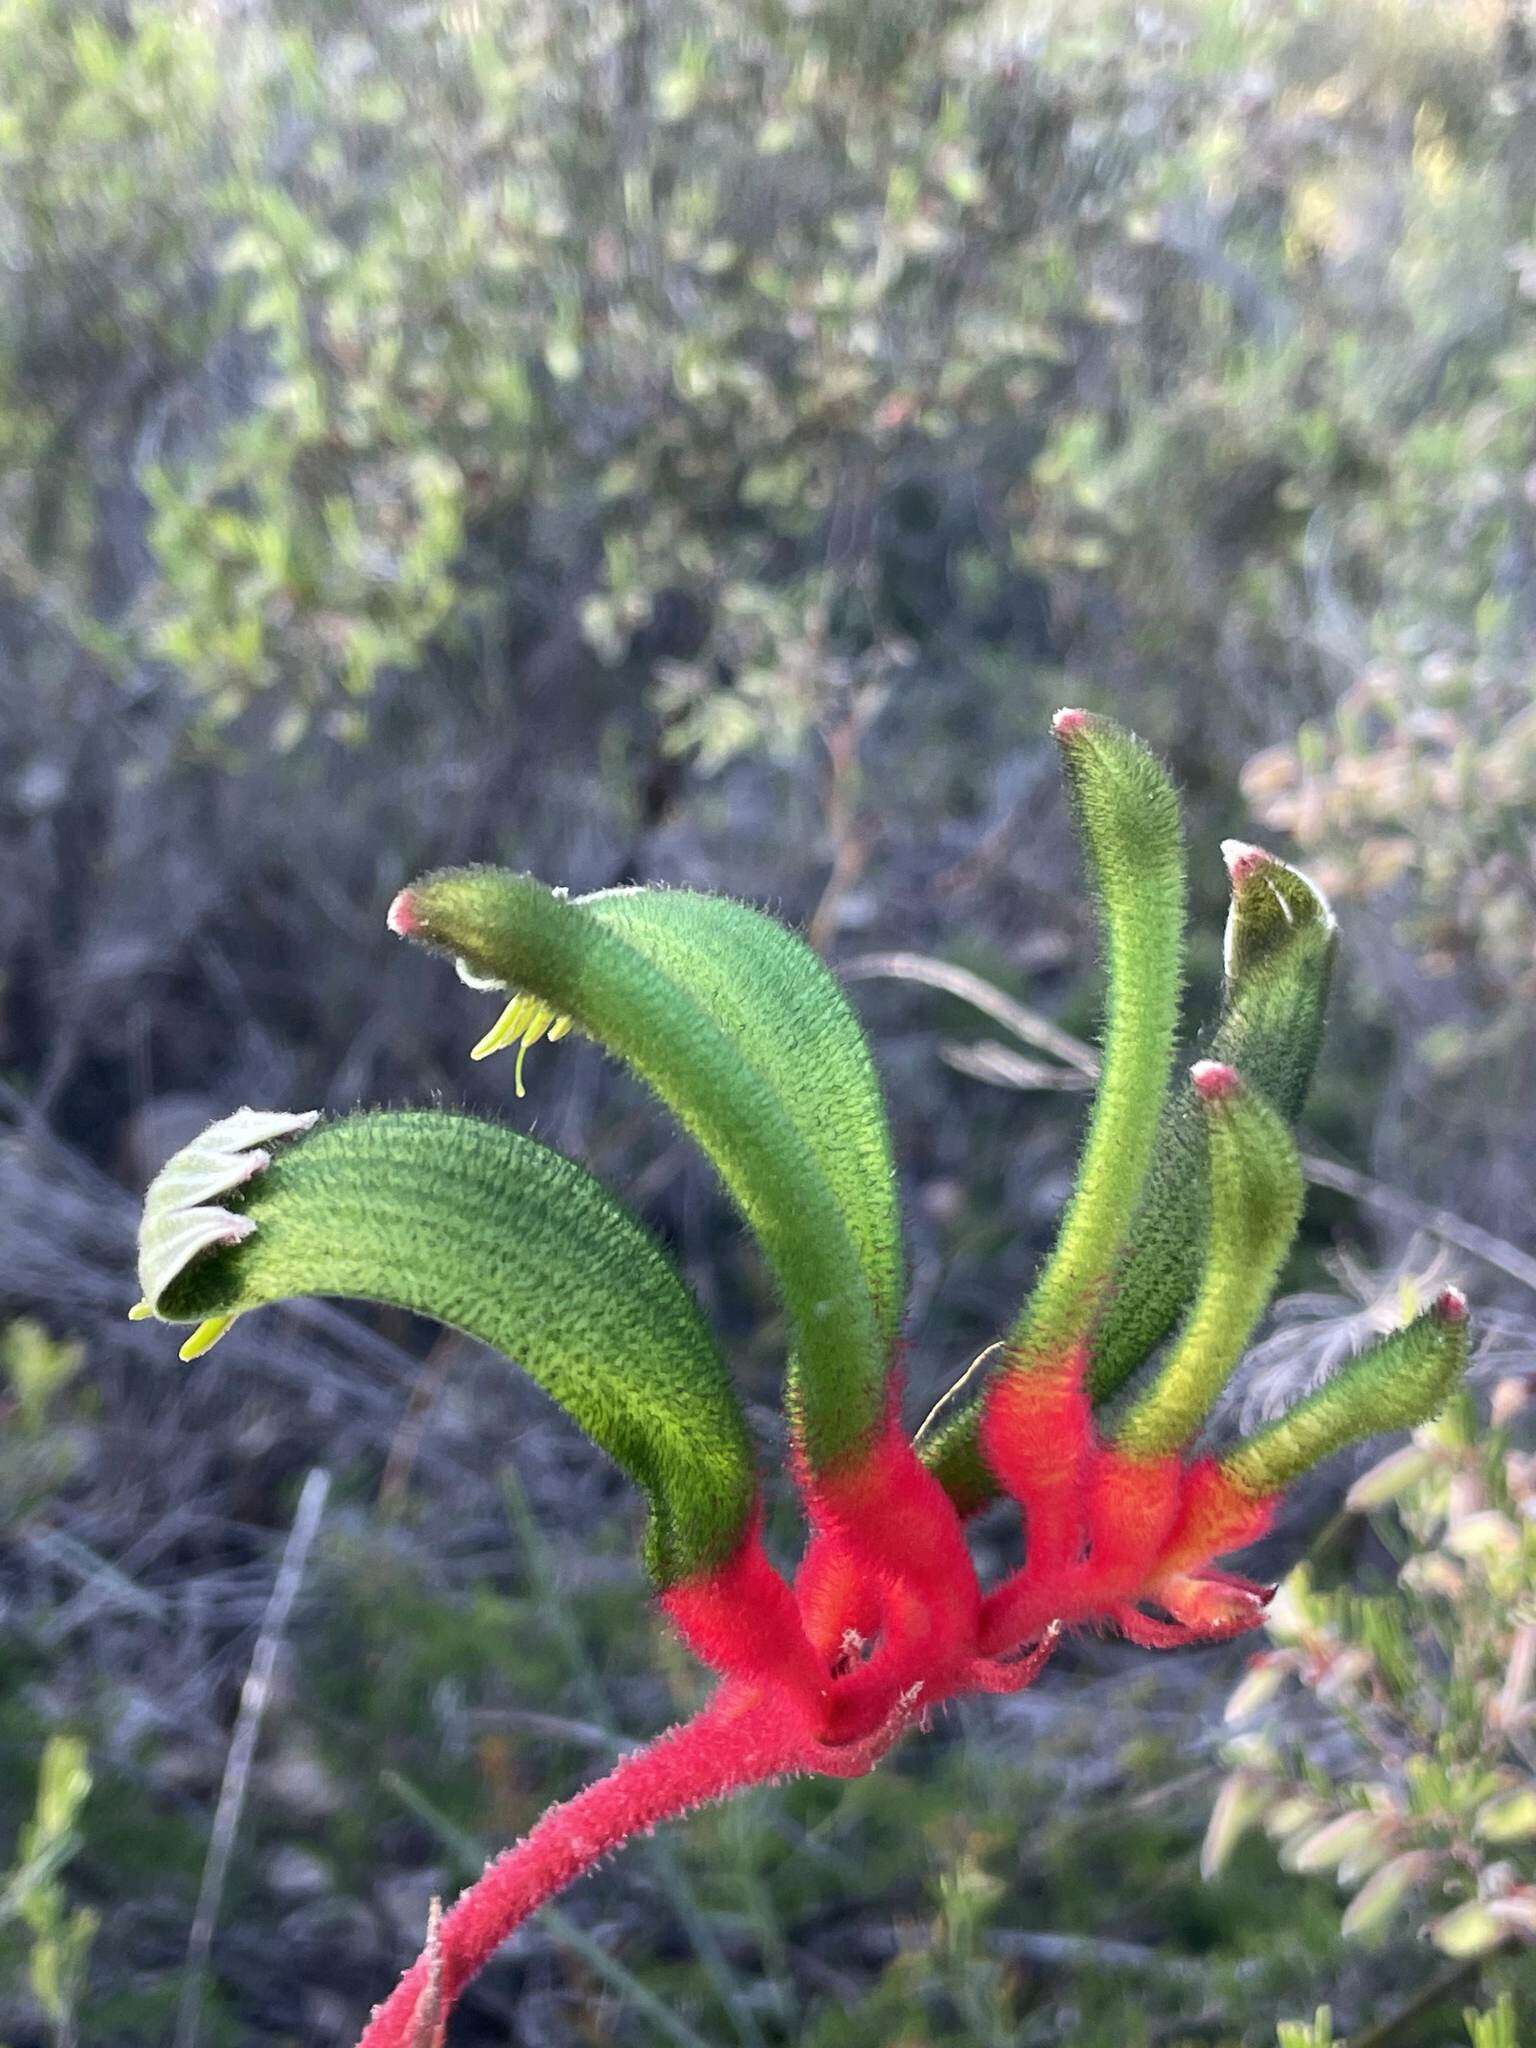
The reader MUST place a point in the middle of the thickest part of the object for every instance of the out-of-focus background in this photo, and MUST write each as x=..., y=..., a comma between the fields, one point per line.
x=701, y=440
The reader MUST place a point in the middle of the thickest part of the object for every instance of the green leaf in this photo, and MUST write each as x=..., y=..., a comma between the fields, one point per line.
x=1256, y=1196
x=1397, y=1383
x=1280, y=944
x=1383, y=1895
x=1128, y=816
x=495, y=1234
x=739, y=1028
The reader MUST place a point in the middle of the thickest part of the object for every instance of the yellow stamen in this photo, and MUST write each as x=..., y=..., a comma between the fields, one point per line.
x=508, y=1026
x=140, y=1312
x=525, y=1020
x=204, y=1337
x=536, y=1028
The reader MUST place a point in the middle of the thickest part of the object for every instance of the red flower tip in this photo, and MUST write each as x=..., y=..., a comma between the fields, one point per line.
x=1244, y=860
x=402, y=919
x=1214, y=1082
x=1068, y=723
x=1450, y=1305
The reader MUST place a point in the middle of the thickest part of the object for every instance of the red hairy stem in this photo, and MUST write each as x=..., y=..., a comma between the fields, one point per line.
x=742, y=1620
x=743, y=1737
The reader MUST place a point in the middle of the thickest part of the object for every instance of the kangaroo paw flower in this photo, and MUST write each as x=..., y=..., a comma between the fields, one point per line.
x=1186, y=1202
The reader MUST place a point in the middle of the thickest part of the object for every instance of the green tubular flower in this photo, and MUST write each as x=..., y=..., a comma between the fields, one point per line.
x=1128, y=817
x=739, y=1028
x=1256, y=1194
x=495, y=1234
x=1397, y=1383
x=1281, y=939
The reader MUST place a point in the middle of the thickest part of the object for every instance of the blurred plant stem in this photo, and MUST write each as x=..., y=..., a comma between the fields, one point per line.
x=1447, y=1984
x=847, y=833
x=254, y=1697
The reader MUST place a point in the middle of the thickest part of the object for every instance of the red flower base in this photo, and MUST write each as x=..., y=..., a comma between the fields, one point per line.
x=885, y=1621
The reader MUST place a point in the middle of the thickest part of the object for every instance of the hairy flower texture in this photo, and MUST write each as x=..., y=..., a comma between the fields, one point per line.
x=1186, y=1202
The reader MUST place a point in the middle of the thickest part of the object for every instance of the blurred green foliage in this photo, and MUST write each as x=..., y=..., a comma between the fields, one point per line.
x=38, y=1367
x=766, y=345
x=698, y=305
x=59, y=1935
x=40, y=1450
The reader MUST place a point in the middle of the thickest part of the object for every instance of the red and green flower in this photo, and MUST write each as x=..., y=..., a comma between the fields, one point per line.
x=1186, y=1202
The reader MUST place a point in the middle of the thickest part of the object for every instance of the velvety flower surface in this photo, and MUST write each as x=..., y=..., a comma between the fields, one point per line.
x=1186, y=1201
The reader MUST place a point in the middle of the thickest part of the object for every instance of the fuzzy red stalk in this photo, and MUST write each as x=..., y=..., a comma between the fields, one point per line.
x=885, y=1621
x=745, y=1736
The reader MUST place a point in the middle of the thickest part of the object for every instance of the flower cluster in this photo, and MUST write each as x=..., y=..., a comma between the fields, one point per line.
x=1186, y=1201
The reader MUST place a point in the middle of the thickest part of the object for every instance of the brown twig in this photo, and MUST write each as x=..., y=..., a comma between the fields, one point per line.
x=1025, y=1024
x=996, y=1068
x=850, y=841
x=988, y=1061
x=427, y=1387
x=1441, y=1223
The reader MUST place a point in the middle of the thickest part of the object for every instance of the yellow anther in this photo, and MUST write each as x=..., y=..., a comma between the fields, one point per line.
x=536, y=1028
x=525, y=1020
x=204, y=1337
x=140, y=1312
x=508, y=1026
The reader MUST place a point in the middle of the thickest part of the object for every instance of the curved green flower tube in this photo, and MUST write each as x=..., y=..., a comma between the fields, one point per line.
x=1256, y=1194
x=1127, y=813
x=1281, y=940
x=1128, y=816
x=495, y=1234
x=1396, y=1383
x=739, y=1028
